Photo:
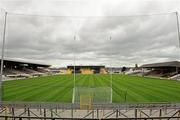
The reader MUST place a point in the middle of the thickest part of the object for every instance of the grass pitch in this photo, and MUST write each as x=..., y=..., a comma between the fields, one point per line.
x=59, y=88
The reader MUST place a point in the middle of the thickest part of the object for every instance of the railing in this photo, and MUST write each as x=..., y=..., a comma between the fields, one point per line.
x=50, y=118
x=59, y=111
x=95, y=106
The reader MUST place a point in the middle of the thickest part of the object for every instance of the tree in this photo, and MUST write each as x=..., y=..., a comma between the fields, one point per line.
x=123, y=69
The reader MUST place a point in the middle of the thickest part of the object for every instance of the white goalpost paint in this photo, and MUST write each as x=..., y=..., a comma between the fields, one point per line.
x=2, y=56
x=110, y=38
x=74, y=74
x=73, y=97
x=178, y=34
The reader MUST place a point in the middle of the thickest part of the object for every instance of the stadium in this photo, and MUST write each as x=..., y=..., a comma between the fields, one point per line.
x=87, y=74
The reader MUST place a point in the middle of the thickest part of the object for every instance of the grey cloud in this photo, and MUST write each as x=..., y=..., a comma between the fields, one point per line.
x=139, y=39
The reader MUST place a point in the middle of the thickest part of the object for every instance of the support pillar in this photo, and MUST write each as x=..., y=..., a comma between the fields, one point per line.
x=160, y=113
x=135, y=113
x=150, y=112
x=12, y=110
x=28, y=113
x=97, y=113
x=93, y=113
x=51, y=112
x=40, y=111
x=117, y=113
x=44, y=113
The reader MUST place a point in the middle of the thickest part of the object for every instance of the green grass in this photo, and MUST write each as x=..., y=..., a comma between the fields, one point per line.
x=59, y=88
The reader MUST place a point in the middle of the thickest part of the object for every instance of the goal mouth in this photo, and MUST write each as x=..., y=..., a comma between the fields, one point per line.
x=92, y=95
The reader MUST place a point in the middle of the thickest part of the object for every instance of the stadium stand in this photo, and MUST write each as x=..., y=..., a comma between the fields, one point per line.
x=58, y=70
x=114, y=69
x=169, y=69
x=134, y=72
x=18, y=69
x=87, y=69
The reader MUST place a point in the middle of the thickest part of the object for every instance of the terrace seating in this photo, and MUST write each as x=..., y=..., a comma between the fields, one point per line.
x=32, y=72
x=42, y=70
x=20, y=73
x=175, y=77
x=160, y=73
x=7, y=72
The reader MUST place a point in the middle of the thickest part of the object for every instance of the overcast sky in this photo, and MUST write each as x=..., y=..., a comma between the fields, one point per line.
x=106, y=32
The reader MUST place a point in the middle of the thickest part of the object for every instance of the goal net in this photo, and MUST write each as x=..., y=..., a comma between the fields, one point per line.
x=92, y=95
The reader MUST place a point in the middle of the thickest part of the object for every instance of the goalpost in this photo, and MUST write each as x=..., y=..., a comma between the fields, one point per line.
x=86, y=96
